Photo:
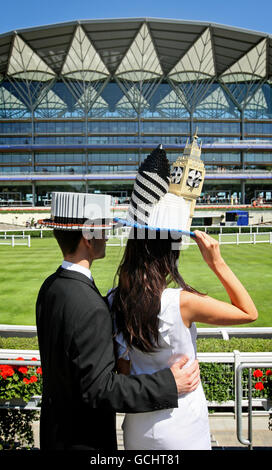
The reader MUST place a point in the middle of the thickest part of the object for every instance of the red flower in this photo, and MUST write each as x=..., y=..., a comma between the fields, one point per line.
x=257, y=373
x=26, y=381
x=39, y=370
x=34, y=359
x=33, y=378
x=259, y=386
x=20, y=359
x=6, y=371
x=269, y=372
x=23, y=370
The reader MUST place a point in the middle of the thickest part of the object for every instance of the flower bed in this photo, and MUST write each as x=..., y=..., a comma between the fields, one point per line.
x=264, y=382
x=263, y=387
x=18, y=383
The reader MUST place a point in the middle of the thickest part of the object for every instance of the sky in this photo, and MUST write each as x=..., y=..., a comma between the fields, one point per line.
x=248, y=14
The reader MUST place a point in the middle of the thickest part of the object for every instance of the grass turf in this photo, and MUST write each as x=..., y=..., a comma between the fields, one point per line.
x=24, y=269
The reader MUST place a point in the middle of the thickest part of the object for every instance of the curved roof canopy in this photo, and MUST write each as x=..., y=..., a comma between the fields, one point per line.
x=127, y=48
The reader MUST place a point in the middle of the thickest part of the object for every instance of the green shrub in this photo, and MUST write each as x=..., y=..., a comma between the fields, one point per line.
x=203, y=344
x=217, y=381
x=19, y=343
x=241, y=344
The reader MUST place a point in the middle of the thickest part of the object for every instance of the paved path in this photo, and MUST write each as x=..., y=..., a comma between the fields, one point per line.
x=223, y=432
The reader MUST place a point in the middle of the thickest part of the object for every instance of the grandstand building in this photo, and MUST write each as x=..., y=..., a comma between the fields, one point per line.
x=82, y=103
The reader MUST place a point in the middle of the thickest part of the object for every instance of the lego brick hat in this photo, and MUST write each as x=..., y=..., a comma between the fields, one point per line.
x=77, y=211
x=163, y=199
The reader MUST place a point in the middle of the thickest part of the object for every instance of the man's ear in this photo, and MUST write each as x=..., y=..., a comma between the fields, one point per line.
x=87, y=242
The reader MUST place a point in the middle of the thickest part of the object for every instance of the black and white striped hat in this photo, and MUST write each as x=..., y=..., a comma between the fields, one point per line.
x=152, y=183
x=152, y=207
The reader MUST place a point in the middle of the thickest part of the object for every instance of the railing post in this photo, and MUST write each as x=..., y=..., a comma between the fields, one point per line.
x=239, y=406
x=237, y=362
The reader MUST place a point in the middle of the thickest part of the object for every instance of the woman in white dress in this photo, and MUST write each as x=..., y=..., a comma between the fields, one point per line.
x=155, y=327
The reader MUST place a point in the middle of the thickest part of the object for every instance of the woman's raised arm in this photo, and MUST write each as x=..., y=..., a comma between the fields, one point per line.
x=206, y=309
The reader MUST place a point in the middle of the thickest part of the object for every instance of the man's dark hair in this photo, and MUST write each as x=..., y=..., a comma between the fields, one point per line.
x=68, y=240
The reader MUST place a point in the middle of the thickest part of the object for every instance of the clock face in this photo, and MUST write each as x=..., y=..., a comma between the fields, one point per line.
x=176, y=174
x=194, y=178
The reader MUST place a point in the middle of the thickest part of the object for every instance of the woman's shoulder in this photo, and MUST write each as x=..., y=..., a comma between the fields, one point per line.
x=169, y=316
x=170, y=294
x=170, y=304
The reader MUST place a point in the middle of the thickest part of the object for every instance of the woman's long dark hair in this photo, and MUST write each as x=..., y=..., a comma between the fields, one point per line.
x=147, y=268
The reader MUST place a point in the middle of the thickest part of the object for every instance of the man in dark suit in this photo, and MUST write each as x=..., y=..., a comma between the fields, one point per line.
x=81, y=390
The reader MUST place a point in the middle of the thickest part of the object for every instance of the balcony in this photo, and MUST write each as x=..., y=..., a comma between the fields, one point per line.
x=235, y=145
x=111, y=175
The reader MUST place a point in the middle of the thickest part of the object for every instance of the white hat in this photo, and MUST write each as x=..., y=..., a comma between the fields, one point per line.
x=74, y=211
x=152, y=207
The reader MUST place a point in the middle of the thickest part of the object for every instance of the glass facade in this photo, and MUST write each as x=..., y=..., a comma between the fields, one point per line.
x=79, y=115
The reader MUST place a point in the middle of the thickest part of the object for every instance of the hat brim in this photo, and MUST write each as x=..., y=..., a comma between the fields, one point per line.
x=125, y=223
x=49, y=223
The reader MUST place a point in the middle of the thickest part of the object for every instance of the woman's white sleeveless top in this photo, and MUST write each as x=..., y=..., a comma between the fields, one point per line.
x=185, y=427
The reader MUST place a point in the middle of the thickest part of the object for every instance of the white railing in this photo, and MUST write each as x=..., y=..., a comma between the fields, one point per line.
x=248, y=234
x=23, y=231
x=12, y=240
x=226, y=238
x=205, y=228
x=238, y=238
x=207, y=332
x=243, y=234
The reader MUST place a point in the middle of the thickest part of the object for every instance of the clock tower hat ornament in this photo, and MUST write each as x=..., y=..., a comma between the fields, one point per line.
x=164, y=198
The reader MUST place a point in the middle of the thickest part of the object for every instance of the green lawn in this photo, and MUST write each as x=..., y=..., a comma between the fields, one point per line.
x=23, y=270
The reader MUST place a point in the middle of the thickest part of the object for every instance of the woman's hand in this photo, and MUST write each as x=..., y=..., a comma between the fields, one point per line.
x=209, y=248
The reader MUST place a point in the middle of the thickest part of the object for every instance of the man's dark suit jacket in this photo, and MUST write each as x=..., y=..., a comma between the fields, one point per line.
x=81, y=391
